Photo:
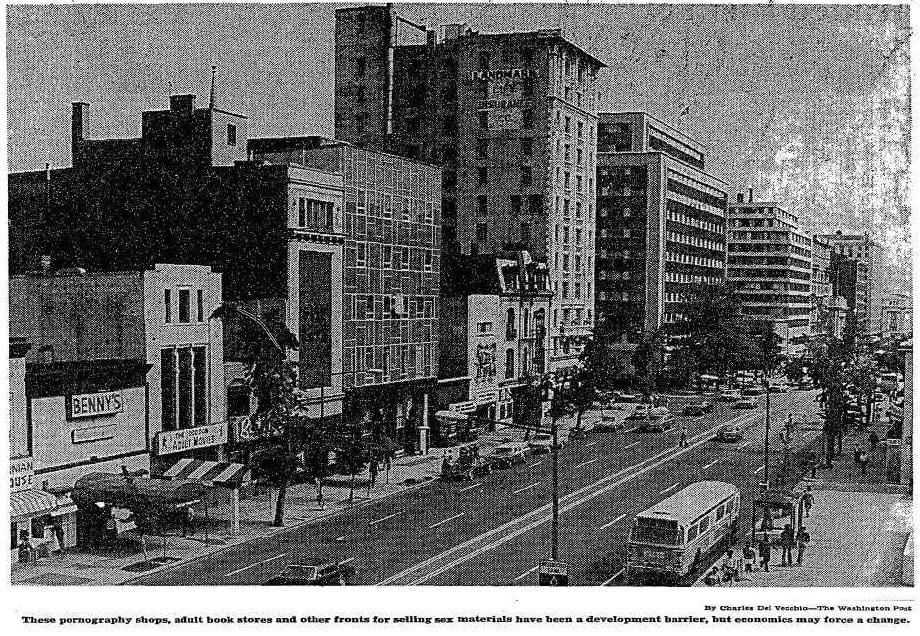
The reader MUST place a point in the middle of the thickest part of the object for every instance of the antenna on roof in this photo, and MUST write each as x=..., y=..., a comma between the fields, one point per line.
x=213, y=82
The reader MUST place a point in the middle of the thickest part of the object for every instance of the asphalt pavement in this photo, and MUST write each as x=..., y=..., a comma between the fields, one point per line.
x=495, y=529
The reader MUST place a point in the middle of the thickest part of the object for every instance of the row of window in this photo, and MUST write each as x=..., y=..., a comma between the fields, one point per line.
x=372, y=359
x=693, y=259
x=314, y=214
x=572, y=317
x=380, y=307
x=680, y=277
x=396, y=259
x=566, y=236
x=695, y=241
x=700, y=224
x=386, y=206
x=576, y=263
x=183, y=305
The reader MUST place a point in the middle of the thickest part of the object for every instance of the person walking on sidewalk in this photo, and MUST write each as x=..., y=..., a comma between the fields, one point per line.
x=873, y=440
x=763, y=550
x=863, y=462
x=801, y=540
x=749, y=557
x=808, y=499
x=683, y=436
x=787, y=540
x=319, y=494
x=373, y=469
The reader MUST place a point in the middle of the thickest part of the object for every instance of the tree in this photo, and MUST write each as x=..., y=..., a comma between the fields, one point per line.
x=353, y=452
x=647, y=360
x=829, y=371
x=582, y=389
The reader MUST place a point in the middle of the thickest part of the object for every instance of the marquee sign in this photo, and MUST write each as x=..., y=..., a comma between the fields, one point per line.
x=185, y=439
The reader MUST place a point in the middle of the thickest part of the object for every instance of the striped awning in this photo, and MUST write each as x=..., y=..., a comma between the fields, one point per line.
x=31, y=503
x=213, y=473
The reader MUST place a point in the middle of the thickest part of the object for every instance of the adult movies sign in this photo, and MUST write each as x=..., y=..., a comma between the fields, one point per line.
x=185, y=439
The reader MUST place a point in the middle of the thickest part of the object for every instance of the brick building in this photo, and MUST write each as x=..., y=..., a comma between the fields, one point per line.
x=511, y=117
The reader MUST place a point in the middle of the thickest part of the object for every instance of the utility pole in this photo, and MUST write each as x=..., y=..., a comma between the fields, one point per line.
x=555, y=420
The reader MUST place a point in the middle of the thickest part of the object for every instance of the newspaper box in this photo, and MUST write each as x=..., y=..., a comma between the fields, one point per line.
x=554, y=573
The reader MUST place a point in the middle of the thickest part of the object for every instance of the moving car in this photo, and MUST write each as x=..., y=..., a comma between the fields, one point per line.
x=613, y=420
x=729, y=395
x=628, y=398
x=751, y=391
x=543, y=443
x=730, y=433
x=658, y=419
x=641, y=413
x=577, y=433
x=468, y=464
x=698, y=408
x=313, y=571
x=779, y=387
x=745, y=403
x=507, y=455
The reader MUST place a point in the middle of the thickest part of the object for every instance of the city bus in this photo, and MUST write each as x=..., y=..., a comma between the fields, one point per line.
x=673, y=537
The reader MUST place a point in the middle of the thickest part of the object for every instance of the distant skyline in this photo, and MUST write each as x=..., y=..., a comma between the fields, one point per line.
x=809, y=105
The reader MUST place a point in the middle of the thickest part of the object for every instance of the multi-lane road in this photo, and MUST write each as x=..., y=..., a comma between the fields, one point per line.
x=495, y=529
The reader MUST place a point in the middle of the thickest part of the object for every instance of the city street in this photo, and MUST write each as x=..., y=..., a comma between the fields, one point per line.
x=495, y=529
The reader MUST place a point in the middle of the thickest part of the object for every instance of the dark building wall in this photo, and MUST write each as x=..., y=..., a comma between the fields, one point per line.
x=453, y=344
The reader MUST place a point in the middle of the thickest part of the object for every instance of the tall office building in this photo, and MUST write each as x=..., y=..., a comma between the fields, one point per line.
x=769, y=261
x=660, y=222
x=511, y=117
x=861, y=247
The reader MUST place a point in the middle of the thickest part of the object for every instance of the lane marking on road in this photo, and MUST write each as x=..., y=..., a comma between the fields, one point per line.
x=443, y=521
x=521, y=576
x=526, y=487
x=479, y=485
x=342, y=538
x=613, y=578
x=610, y=523
x=348, y=560
x=252, y=565
x=590, y=461
x=743, y=445
x=759, y=470
x=671, y=487
x=536, y=463
x=633, y=444
x=382, y=519
x=712, y=463
x=591, y=444
x=438, y=564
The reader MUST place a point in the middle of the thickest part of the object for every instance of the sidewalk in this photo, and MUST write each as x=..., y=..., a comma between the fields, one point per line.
x=125, y=561
x=860, y=528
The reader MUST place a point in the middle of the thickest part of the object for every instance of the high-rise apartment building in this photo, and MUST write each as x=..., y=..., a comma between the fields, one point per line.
x=770, y=264
x=512, y=119
x=861, y=247
x=660, y=222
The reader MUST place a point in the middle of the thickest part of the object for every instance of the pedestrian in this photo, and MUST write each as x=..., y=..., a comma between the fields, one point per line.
x=873, y=440
x=729, y=568
x=787, y=541
x=808, y=499
x=319, y=494
x=801, y=540
x=188, y=517
x=863, y=462
x=763, y=550
x=749, y=557
x=683, y=436
x=713, y=579
x=373, y=469
x=857, y=450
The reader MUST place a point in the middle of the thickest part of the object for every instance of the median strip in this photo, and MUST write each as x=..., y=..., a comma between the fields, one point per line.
x=382, y=519
x=479, y=485
x=633, y=444
x=443, y=521
x=521, y=576
x=252, y=565
x=711, y=464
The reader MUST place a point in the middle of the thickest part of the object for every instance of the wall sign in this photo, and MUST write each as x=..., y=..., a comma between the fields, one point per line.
x=185, y=439
x=22, y=474
x=505, y=99
x=94, y=404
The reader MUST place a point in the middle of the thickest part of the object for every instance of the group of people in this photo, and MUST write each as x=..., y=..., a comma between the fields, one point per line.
x=791, y=542
x=861, y=457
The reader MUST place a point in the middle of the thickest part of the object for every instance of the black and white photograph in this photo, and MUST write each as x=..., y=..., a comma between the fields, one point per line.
x=499, y=295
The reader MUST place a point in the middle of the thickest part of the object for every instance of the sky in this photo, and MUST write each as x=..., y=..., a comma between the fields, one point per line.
x=809, y=105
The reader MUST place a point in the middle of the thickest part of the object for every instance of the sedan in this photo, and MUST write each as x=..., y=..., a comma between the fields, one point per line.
x=752, y=391
x=745, y=404
x=699, y=408
x=657, y=423
x=730, y=433
x=729, y=395
x=543, y=443
x=507, y=455
x=313, y=572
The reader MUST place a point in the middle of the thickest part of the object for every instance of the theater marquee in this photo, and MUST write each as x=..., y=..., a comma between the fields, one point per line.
x=191, y=438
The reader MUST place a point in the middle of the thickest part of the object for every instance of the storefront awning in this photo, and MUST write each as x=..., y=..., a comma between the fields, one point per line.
x=139, y=493
x=31, y=503
x=211, y=473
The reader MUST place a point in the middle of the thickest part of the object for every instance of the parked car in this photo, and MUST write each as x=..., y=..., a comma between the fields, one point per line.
x=698, y=408
x=577, y=433
x=628, y=398
x=468, y=464
x=729, y=395
x=543, y=443
x=507, y=455
x=779, y=387
x=745, y=403
x=751, y=391
x=313, y=571
x=730, y=433
x=639, y=414
x=658, y=419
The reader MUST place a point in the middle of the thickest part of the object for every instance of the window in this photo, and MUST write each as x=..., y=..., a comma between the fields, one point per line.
x=185, y=308
x=527, y=119
x=360, y=67
x=231, y=134
x=200, y=299
x=516, y=204
x=482, y=204
x=526, y=176
x=510, y=325
x=535, y=203
x=361, y=256
x=482, y=232
x=704, y=524
x=483, y=174
x=482, y=148
x=167, y=305
x=568, y=124
x=484, y=119
x=526, y=146
x=238, y=399
x=720, y=512
x=405, y=265
x=484, y=59
x=428, y=260
x=567, y=156
x=566, y=182
x=565, y=289
x=578, y=155
x=509, y=363
x=525, y=232
x=581, y=130
x=692, y=532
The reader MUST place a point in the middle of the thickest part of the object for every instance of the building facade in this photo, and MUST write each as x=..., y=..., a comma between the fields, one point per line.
x=850, y=281
x=391, y=278
x=770, y=264
x=660, y=222
x=511, y=117
x=861, y=247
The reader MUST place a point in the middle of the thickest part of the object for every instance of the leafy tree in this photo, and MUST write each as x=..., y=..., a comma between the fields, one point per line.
x=647, y=360
x=353, y=452
x=582, y=389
